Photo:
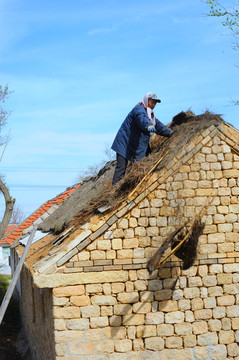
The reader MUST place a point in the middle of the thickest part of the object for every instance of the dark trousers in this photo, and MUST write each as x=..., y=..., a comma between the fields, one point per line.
x=120, y=169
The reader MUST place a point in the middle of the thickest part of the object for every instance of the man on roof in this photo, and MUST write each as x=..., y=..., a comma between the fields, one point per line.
x=132, y=140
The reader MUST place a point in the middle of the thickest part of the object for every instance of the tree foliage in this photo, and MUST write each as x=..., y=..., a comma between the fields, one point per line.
x=230, y=19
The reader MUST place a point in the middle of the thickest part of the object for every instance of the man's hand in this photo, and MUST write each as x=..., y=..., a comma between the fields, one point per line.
x=151, y=129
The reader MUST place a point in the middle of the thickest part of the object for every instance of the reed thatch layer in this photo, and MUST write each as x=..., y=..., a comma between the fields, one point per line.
x=98, y=191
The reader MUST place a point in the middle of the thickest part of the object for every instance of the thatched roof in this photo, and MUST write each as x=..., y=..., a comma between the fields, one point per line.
x=98, y=191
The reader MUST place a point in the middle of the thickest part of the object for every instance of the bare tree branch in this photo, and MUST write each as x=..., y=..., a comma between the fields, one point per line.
x=9, y=204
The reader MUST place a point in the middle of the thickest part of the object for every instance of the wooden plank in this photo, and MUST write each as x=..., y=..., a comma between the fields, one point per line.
x=15, y=277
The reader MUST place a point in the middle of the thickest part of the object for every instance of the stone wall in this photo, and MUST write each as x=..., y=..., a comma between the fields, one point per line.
x=37, y=318
x=173, y=313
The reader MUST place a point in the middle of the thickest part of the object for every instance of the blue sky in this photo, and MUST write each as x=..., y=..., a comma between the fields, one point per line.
x=78, y=67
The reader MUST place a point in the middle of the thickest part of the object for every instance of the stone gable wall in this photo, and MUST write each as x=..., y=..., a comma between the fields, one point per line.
x=172, y=314
x=37, y=318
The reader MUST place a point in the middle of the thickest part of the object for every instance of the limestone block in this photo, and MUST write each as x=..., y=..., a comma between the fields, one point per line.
x=115, y=321
x=131, y=332
x=67, y=312
x=108, y=234
x=93, y=334
x=203, y=314
x=231, y=268
x=189, y=316
x=226, y=324
x=69, y=290
x=211, y=157
x=60, y=324
x=124, y=254
x=215, y=269
x=144, y=331
x=177, y=294
x=219, y=219
x=144, y=241
x=231, y=173
x=207, y=248
x=215, y=291
x=140, y=231
x=226, y=248
x=216, y=166
x=99, y=322
x=214, y=325
x=67, y=336
x=78, y=324
x=194, y=281
x=118, y=233
x=123, y=346
x=123, y=223
x=233, y=350
x=139, y=253
x=196, y=304
x=174, y=317
x=209, y=302
x=94, y=288
x=192, y=292
x=165, y=330
x=184, y=305
x=189, y=341
x=82, y=300
x=142, y=307
x=129, y=286
x=202, y=270
x=210, y=280
x=98, y=255
x=103, y=300
x=134, y=319
x=173, y=342
x=103, y=244
x=210, y=338
x=224, y=228
x=138, y=344
x=117, y=244
x=152, y=231
x=231, y=218
x=232, y=311
x=156, y=203
x=130, y=243
x=60, y=301
x=199, y=327
x=133, y=222
x=235, y=323
x=154, y=318
x=226, y=337
x=90, y=310
x=183, y=328
x=117, y=287
x=106, y=347
x=168, y=306
x=219, y=312
x=203, y=292
x=61, y=349
x=106, y=311
x=122, y=309
x=128, y=298
x=226, y=300
x=82, y=348
x=154, y=343
x=83, y=256
x=146, y=296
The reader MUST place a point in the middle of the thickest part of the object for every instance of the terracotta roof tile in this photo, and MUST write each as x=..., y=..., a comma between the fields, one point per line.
x=15, y=234
x=10, y=228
